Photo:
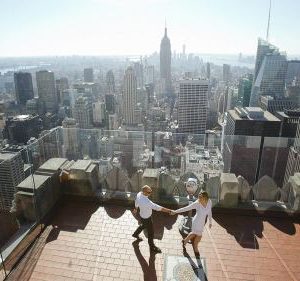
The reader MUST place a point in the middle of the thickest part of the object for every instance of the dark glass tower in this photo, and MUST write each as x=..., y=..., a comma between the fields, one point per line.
x=23, y=87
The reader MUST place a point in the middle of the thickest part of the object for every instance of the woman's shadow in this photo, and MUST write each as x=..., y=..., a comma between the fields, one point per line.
x=148, y=268
x=197, y=267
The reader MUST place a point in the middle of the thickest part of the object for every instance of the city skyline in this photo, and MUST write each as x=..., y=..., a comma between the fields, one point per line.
x=111, y=28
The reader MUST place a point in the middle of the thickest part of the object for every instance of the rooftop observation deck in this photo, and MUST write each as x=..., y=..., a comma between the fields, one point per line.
x=67, y=216
x=86, y=241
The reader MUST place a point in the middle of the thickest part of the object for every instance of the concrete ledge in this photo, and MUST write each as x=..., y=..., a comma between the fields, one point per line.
x=244, y=209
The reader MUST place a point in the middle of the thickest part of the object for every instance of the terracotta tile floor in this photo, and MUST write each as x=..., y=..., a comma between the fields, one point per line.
x=90, y=242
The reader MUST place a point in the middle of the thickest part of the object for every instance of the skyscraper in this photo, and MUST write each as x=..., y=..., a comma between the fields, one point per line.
x=149, y=73
x=46, y=90
x=110, y=103
x=270, y=80
x=293, y=162
x=268, y=73
x=192, y=106
x=251, y=121
x=70, y=134
x=23, y=87
x=88, y=75
x=272, y=105
x=20, y=128
x=139, y=74
x=293, y=72
x=83, y=112
x=112, y=122
x=11, y=174
x=98, y=113
x=244, y=93
x=62, y=84
x=110, y=82
x=165, y=63
x=226, y=73
x=129, y=96
x=263, y=48
x=243, y=151
x=150, y=92
x=208, y=70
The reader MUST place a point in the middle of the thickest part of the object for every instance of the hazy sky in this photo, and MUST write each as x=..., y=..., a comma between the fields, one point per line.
x=115, y=27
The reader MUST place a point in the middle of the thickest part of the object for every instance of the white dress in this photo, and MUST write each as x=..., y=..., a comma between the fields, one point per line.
x=201, y=214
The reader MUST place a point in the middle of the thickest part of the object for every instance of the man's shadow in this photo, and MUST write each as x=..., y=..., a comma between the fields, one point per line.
x=148, y=268
x=160, y=222
x=197, y=268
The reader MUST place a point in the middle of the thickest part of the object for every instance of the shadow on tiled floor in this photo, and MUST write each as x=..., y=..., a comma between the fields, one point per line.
x=248, y=230
x=149, y=270
x=244, y=231
x=86, y=241
x=284, y=224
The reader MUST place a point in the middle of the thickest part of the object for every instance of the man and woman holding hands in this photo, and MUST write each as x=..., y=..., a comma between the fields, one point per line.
x=145, y=205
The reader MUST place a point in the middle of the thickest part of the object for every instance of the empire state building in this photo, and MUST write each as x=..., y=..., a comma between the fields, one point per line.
x=165, y=63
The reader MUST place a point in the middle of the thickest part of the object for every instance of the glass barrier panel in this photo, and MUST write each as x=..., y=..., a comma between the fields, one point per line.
x=279, y=157
x=241, y=155
x=180, y=157
x=17, y=207
x=274, y=159
x=2, y=268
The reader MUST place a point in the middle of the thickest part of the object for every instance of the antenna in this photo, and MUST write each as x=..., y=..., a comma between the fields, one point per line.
x=268, y=29
x=165, y=27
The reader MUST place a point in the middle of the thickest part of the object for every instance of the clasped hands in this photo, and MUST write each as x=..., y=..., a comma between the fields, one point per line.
x=171, y=212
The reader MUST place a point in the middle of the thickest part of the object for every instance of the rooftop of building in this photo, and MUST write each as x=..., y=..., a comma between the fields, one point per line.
x=294, y=61
x=151, y=173
x=274, y=99
x=193, y=81
x=81, y=165
x=252, y=113
x=6, y=156
x=44, y=71
x=23, y=117
x=85, y=241
x=33, y=181
x=12, y=148
x=262, y=41
x=289, y=113
x=80, y=84
x=53, y=164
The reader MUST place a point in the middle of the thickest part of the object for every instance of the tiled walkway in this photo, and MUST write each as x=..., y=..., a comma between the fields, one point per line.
x=88, y=242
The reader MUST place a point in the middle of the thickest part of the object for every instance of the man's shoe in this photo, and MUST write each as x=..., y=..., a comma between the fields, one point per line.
x=137, y=237
x=155, y=249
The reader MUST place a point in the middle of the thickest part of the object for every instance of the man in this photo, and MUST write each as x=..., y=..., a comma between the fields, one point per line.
x=146, y=206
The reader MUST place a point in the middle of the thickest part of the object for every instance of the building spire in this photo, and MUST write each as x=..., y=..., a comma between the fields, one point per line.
x=165, y=27
x=268, y=28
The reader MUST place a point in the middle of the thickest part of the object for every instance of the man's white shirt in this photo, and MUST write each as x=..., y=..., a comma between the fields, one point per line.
x=146, y=205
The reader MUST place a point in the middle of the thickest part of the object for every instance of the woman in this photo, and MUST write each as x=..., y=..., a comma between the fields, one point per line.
x=203, y=209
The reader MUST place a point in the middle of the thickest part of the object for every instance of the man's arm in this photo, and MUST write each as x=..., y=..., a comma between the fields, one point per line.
x=165, y=210
x=135, y=206
x=159, y=208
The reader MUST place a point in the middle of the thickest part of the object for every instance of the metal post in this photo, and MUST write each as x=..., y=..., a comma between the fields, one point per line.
x=259, y=159
x=5, y=273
